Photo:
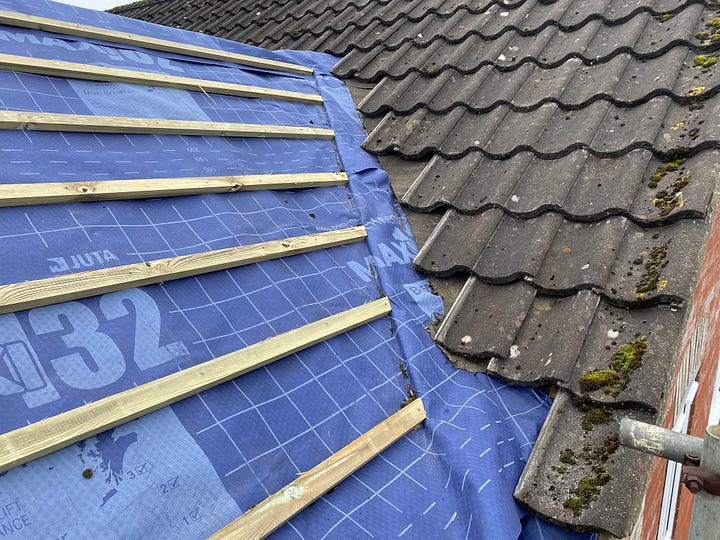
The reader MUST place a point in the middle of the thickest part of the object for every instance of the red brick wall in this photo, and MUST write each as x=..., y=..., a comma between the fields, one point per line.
x=705, y=302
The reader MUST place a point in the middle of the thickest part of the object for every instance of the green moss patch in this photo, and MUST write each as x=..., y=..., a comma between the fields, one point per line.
x=592, y=415
x=600, y=454
x=595, y=380
x=705, y=35
x=589, y=486
x=650, y=279
x=677, y=152
x=671, y=198
x=595, y=416
x=705, y=62
x=616, y=377
x=568, y=456
x=662, y=170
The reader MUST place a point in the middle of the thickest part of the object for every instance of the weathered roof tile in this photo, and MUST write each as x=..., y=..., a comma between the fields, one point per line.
x=624, y=262
x=594, y=483
x=584, y=188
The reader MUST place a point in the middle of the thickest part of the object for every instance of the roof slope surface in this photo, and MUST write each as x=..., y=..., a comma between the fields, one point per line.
x=572, y=147
x=187, y=470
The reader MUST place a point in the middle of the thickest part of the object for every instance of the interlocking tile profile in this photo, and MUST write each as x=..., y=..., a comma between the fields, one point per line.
x=392, y=26
x=573, y=158
x=584, y=188
x=624, y=81
x=596, y=484
x=606, y=130
x=617, y=259
x=533, y=339
x=644, y=36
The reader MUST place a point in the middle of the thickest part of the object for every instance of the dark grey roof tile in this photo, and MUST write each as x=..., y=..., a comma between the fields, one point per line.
x=516, y=132
x=546, y=85
x=625, y=128
x=605, y=129
x=565, y=452
x=517, y=247
x=553, y=254
x=625, y=357
x=553, y=133
x=687, y=128
x=609, y=186
x=440, y=258
x=624, y=262
x=519, y=330
x=434, y=16
x=485, y=319
x=316, y=22
x=238, y=21
x=260, y=21
x=451, y=21
x=658, y=264
x=446, y=8
x=206, y=10
x=476, y=183
x=624, y=80
x=442, y=93
x=534, y=356
x=584, y=187
x=643, y=36
x=470, y=184
x=685, y=192
x=581, y=255
x=533, y=194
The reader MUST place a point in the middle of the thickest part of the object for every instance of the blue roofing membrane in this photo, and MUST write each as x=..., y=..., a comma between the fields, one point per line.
x=188, y=470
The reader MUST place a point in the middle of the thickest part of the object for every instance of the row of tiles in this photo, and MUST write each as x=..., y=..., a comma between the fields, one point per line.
x=535, y=339
x=626, y=263
x=643, y=36
x=390, y=27
x=585, y=188
x=278, y=15
x=661, y=125
x=237, y=13
x=624, y=80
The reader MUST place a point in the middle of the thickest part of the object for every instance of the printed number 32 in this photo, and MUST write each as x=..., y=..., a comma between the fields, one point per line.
x=103, y=362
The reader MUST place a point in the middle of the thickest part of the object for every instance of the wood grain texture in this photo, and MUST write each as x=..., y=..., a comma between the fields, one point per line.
x=29, y=121
x=43, y=292
x=65, y=192
x=46, y=436
x=262, y=519
x=56, y=68
x=24, y=20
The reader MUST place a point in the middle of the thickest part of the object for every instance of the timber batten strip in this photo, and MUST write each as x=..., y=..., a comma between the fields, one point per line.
x=262, y=519
x=46, y=436
x=23, y=20
x=65, y=192
x=43, y=292
x=57, y=68
x=34, y=121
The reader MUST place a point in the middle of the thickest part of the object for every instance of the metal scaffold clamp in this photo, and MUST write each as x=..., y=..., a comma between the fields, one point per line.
x=700, y=471
x=697, y=478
